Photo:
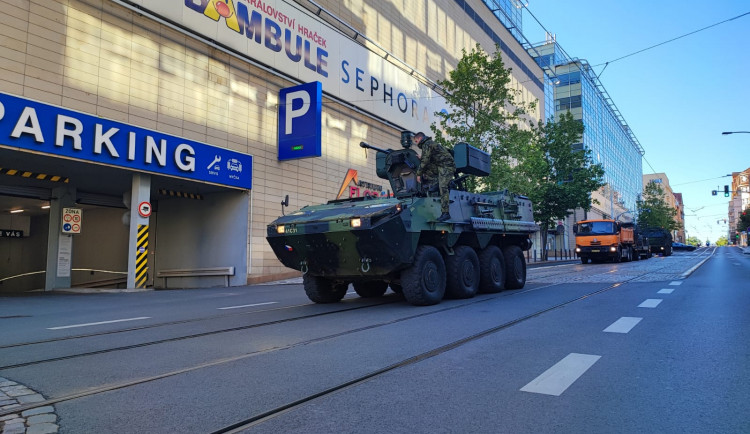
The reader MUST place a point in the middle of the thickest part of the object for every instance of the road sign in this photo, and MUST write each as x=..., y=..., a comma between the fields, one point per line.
x=72, y=219
x=144, y=209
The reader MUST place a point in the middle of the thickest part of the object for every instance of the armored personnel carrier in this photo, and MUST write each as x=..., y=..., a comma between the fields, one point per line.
x=374, y=242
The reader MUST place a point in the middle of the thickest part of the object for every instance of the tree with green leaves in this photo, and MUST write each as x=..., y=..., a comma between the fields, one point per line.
x=538, y=161
x=744, y=221
x=556, y=177
x=694, y=241
x=485, y=112
x=722, y=241
x=653, y=209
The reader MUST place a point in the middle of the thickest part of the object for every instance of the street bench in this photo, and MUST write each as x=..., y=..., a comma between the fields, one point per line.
x=196, y=272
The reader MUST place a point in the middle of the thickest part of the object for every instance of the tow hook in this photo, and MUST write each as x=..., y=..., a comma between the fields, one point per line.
x=365, y=264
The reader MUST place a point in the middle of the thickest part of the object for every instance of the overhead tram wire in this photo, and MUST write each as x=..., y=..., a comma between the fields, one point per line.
x=670, y=40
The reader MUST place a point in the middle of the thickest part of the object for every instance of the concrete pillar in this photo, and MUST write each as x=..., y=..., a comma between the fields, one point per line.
x=140, y=192
x=59, y=245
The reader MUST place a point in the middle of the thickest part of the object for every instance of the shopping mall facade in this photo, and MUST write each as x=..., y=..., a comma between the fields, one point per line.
x=141, y=141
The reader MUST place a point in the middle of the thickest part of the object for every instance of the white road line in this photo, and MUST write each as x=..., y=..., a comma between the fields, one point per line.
x=247, y=305
x=676, y=283
x=665, y=291
x=98, y=323
x=555, y=380
x=650, y=302
x=623, y=325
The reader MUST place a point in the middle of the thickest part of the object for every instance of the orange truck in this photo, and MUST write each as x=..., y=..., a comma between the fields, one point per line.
x=606, y=239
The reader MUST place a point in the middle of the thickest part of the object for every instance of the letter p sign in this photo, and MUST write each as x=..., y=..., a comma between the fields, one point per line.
x=300, y=121
x=291, y=113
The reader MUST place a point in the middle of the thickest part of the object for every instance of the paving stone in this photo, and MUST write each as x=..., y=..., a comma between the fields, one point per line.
x=8, y=417
x=42, y=428
x=15, y=420
x=8, y=407
x=27, y=399
x=7, y=402
x=40, y=410
x=41, y=418
x=16, y=428
x=20, y=392
x=8, y=383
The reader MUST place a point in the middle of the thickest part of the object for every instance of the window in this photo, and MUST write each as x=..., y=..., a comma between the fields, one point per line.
x=566, y=79
x=596, y=228
x=568, y=103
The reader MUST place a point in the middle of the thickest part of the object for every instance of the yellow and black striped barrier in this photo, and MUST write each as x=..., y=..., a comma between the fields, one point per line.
x=141, y=257
x=181, y=194
x=28, y=174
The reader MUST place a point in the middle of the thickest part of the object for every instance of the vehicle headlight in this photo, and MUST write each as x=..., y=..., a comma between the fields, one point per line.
x=578, y=250
x=355, y=223
x=613, y=249
x=662, y=247
x=280, y=229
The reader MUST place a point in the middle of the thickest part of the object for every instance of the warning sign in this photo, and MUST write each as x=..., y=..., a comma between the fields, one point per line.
x=72, y=220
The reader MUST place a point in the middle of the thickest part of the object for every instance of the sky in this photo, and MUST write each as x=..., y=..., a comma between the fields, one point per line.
x=678, y=97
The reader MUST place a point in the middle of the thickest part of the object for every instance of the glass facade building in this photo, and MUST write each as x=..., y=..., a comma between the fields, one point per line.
x=571, y=85
x=510, y=13
x=577, y=89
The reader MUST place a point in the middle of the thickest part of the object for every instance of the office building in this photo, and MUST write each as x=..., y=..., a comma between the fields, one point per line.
x=575, y=88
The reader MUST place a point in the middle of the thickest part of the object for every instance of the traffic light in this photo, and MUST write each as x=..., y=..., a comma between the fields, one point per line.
x=726, y=191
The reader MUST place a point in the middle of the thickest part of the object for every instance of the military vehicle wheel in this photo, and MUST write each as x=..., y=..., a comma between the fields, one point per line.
x=322, y=290
x=515, y=267
x=462, y=273
x=491, y=270
x=371, y=289
x=424, y=281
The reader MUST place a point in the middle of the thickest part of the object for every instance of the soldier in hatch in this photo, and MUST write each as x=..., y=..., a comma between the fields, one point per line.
x=436, y=164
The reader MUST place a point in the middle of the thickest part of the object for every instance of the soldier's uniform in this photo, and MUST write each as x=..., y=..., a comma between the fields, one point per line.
x=437, y=164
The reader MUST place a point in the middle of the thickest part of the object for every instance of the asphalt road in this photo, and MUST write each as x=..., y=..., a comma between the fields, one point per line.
x=633, y=347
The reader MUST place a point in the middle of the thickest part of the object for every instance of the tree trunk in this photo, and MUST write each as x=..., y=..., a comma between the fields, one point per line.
x=543, y=247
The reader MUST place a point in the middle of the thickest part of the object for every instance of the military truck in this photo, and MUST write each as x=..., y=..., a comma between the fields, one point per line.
x=659, y=240
x=374, y=242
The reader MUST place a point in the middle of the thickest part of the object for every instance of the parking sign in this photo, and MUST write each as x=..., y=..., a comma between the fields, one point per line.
x=300, y=121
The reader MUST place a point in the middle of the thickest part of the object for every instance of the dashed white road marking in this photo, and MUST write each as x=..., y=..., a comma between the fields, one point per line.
x=555, y=380
x=98, y=323
x=665, y=291
x=650, y=302
x=623, y=325
x=247, y=305
x=676, y=283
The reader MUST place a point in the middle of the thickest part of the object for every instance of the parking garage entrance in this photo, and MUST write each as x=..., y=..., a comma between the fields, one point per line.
x=87, y=202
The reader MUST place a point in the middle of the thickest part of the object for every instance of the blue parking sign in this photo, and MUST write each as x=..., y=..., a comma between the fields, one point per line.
x=300, y=121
